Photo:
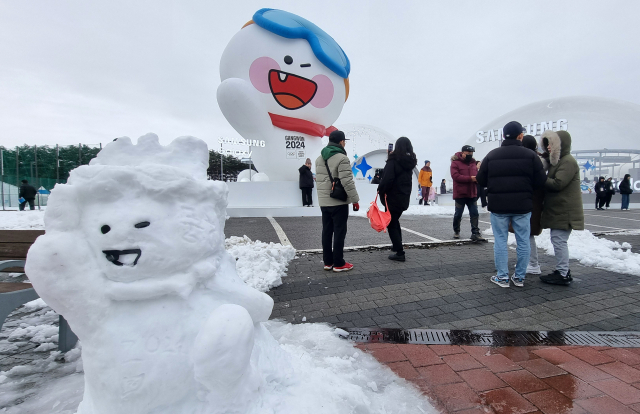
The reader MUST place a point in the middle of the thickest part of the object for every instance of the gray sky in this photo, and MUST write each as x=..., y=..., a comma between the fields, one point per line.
x=78, y=71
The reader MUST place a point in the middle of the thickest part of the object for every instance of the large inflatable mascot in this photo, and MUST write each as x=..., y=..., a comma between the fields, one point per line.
x=284, y=83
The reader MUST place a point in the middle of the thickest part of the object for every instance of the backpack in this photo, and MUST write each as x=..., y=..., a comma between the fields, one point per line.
x=379, y=220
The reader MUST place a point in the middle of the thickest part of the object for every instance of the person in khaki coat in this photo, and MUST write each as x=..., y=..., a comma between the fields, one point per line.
x=562, y=211
x=335, y=213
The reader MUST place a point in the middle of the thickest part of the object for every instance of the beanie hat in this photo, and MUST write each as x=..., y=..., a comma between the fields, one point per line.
x=530, y=142
x=427, y=161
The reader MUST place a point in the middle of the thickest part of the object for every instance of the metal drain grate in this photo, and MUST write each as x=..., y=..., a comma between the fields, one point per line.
x=496, y=338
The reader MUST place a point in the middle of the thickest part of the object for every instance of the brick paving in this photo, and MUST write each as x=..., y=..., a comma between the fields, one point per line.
x=448, y=288
x=550, y=380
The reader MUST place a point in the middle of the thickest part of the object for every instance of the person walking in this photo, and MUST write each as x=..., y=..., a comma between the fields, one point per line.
x=395, y=190
x=562, y=211
x=425, y=179
x=601, y=191
x=610, y=191
x=306, y=183
x=625, y=191
x=511, y=173
x=443, y=186
x=28, y=193
x=465, y=191
x=333, y=165
x=482, y=192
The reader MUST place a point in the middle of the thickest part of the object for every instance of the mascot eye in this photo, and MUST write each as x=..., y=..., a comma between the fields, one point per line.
x=288, y=60
x=105, y=229
x=142, y=225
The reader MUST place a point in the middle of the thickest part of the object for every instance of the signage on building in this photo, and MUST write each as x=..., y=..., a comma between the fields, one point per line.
x=535, y=129
x=239, y=142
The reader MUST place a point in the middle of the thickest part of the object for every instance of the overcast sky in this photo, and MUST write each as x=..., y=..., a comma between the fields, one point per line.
x=90, y=71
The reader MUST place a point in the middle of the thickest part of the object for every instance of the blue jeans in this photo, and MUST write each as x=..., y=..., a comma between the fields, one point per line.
x=625, y=201
x=522, y=227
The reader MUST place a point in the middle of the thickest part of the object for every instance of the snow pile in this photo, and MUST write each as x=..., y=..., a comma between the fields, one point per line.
x=331, y=376
x=593, y=251
x=261, y=265
x=22, y=220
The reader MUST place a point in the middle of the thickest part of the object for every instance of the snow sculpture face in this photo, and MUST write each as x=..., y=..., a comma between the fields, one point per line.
x=282, y=65
x=133, y=257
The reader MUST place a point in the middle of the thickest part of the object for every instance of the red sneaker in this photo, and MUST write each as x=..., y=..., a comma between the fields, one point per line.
x=328, y=267
x=346, y=267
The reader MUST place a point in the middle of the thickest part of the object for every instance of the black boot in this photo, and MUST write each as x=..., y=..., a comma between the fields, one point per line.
x=420, y=202
x=397, y=257
x=556, y=278
x=477, y=237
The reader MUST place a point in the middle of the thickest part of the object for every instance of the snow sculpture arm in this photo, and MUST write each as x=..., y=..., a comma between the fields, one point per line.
x=63, y=272
x=240, y=104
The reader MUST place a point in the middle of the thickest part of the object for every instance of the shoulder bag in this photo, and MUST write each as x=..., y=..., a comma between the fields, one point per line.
x=337, y=190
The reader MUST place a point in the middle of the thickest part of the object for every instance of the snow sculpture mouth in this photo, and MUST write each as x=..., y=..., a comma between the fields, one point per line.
x=291, y=91
x=123, y=257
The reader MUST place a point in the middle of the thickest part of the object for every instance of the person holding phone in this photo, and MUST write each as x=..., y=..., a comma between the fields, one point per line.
x=395, y=190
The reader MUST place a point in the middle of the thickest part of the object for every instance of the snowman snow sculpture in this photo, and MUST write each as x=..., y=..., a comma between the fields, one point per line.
x=284, y=82
x=133, y=257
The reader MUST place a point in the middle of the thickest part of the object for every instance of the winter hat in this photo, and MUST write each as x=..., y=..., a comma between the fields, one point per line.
x=337, y=136
x=427, y=161
x=468, y=148
x=529, y=142
x=512, y=130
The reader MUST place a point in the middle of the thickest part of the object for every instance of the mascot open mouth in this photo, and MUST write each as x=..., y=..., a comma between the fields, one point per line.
x=123, y=257
x=291, y=91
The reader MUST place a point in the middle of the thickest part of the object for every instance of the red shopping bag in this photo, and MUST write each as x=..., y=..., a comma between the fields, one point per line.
x=379, y=220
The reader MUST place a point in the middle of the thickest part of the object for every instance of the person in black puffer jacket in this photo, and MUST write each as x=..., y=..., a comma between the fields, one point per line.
x=28, y=192
x=601, y=193
x=396, y=185
x=625, y=191
x=610, y=191
x=306, y=183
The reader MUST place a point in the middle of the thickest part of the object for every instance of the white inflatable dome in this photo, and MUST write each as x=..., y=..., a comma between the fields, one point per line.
x=259, y=177
x=245, y=174
x=594, y=123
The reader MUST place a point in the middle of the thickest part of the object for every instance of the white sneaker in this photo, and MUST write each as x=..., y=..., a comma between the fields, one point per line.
x=516, y=281
x=533, y=270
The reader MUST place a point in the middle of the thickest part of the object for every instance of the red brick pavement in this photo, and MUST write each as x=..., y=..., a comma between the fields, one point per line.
x=519, y=380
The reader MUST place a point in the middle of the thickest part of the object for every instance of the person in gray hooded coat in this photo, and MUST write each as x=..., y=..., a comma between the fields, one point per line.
x=562, y=211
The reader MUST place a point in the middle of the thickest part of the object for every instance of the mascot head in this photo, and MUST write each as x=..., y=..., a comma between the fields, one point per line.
x=299, y=70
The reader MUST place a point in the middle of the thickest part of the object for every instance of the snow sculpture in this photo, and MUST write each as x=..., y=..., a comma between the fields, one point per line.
x=284, y=82
x=134, y=258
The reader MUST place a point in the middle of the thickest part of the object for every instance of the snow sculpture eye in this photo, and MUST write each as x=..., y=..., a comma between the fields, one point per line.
x=288, y=60
x=105, y=229
x=142, y=225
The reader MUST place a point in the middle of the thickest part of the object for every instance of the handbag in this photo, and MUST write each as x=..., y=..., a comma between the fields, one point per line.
x=379, y=220
x=337, y=190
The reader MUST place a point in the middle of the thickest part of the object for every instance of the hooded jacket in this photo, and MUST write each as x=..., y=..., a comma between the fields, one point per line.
x=306, y=177
x=461, y=172
x=625, y=186
x=511, y=173
x=425, y=177
x=396, y=182
x=340, y=167
x=601, y=187
x=563, y=200
x=27, y=191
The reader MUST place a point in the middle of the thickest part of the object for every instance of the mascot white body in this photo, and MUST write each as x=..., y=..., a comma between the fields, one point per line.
x=133, y=257
x=284, y=82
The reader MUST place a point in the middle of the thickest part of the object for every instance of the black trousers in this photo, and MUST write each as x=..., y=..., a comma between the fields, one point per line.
x=306, y=196
x=607, y=199
x=395, y=232
x=472, y=206
x=334, y=230
x=600, y=200
x=31, y=202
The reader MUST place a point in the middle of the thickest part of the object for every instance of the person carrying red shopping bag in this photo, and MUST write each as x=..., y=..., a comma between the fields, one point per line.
x=379, y=220
x=395, y=188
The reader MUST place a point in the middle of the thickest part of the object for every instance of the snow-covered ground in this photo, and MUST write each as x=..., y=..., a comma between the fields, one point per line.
x=593, y=251
x=22, y=220
x=333, y=376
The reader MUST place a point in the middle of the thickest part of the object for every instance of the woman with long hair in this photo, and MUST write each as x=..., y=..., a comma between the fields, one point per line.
x=395, y=187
